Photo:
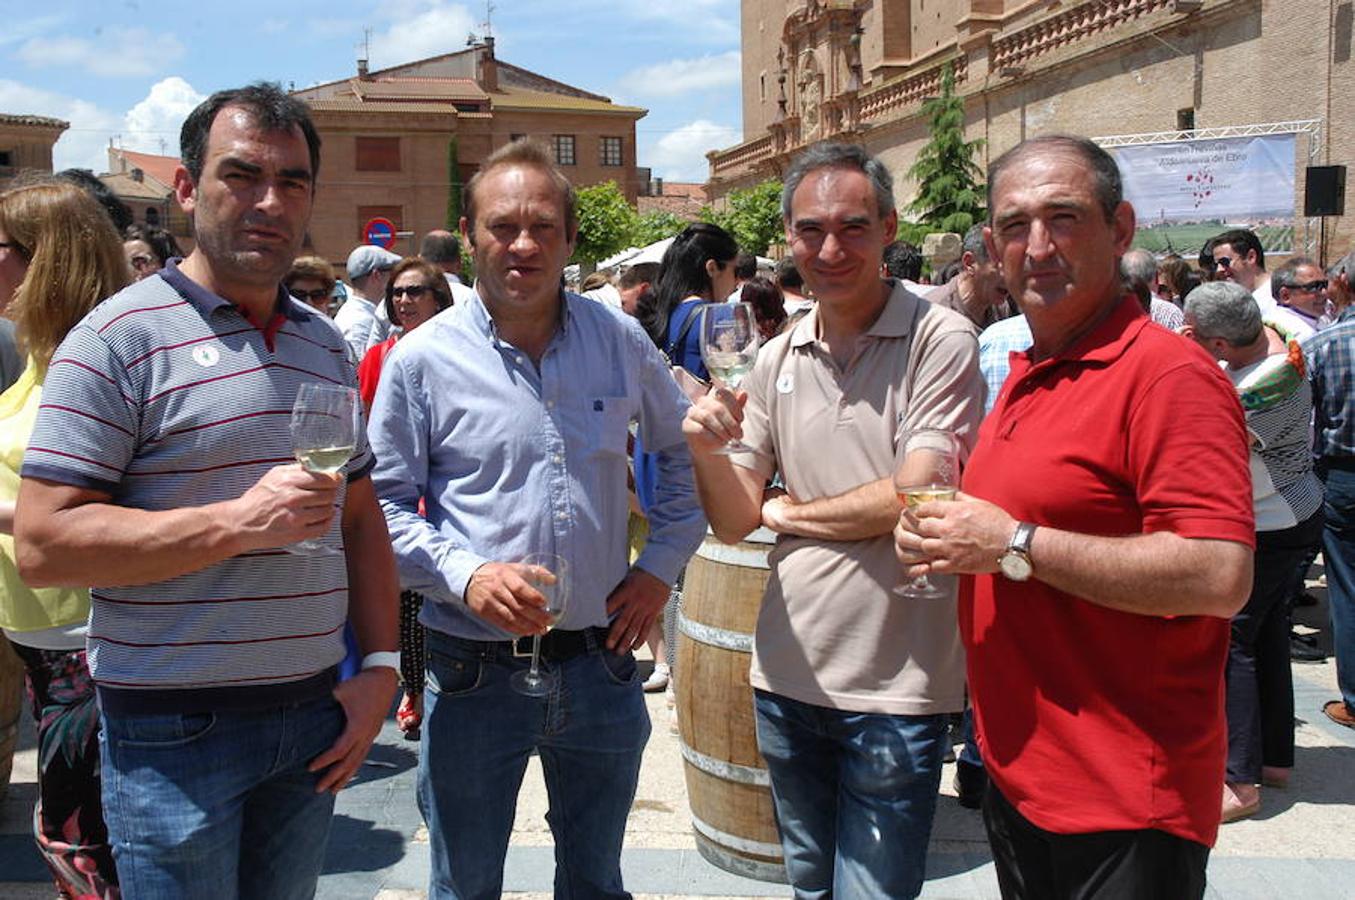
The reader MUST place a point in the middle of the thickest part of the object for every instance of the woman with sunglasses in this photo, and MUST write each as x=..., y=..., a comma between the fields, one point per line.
x=417, y=291
x=148, y=248
x=311, y=280
x=59, y=257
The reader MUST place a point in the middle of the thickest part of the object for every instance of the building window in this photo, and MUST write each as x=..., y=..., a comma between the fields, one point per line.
x=610, y=151
x=1185, y=120
x=6, y=158
x=516, y=136
x=762, y=87
x=564, y=150
x=378, y=154
x=152, y=216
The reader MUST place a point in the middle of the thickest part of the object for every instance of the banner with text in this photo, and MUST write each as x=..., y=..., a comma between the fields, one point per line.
x=1185, y=192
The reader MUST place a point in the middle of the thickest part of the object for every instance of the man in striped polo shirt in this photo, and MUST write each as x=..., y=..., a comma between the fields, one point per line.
x=160, y=474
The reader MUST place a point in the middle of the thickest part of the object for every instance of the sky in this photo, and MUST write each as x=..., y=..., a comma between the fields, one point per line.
x=130, y=71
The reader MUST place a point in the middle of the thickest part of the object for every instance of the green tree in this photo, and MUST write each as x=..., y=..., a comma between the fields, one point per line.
x=752, y=215
x=655, y=226
x=606, y=222
x=950, y=194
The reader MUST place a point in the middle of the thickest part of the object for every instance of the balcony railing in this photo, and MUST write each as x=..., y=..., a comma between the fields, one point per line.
x=896, y=95
x=737, y=158
x=1068, y=27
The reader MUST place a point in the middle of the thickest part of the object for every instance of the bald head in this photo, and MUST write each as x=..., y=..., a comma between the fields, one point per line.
x=442, y=249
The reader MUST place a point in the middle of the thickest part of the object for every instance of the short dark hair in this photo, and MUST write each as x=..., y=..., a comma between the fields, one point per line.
x=903, y=260
x=638, y=274
x=787, y=276
x=91, y=184
x=440, y=247
x=1108, y=186
x=531, y=154
x=745, y=266
x=161, y=242
x=1206, y=260
x=769, y=307
x=1242, y=240
x=835, y=155
x=272, y=109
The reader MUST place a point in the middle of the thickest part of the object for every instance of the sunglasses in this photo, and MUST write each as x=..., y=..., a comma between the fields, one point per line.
x=414, y=291
x=310, y=296
x=1311, y=287
x=142, y=262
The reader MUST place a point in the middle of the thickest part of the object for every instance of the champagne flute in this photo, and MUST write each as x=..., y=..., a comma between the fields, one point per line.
x=324, y=432
x=549, y=574
x=926, y=468
x=729, y=341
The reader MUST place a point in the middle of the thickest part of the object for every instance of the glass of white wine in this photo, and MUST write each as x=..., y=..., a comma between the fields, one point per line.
x=926, y=468
x=547, y=573
x=324, y=432
x=729, y=341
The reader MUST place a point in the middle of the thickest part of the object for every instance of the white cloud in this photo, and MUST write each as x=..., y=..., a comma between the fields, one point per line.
x=152, y=125
x=680, y=155
x=679, y=76
x=422, y=28
x=274, y=26
x=80, y=146
x=115, y=52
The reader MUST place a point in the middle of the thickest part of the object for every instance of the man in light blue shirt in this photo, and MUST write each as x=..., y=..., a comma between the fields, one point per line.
x=997, y=342
x=507, y=415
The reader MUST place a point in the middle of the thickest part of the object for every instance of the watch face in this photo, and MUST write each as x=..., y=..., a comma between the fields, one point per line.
x=1015, y=566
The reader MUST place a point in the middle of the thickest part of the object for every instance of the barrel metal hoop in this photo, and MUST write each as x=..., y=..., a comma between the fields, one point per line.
x=736, y=555
x=740, y=865
x=724, y=769
x=743, y=845
x=715, y=637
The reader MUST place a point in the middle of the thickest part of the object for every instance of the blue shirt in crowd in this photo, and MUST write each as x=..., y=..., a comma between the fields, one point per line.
x=511, y=460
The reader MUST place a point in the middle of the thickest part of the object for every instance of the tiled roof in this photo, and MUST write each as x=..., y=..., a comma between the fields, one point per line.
x=37, y=121
x=353, y=104
x=519, y=99
x=125, y=185
x=161, y=168
x=419, y=88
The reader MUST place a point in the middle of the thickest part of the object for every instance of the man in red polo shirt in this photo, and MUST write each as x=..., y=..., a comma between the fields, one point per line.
x=1107, y=519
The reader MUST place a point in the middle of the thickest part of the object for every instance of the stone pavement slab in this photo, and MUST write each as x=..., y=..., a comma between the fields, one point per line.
x=1299, y=845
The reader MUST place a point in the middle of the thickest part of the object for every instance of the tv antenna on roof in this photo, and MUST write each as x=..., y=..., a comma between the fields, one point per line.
x=489, y=18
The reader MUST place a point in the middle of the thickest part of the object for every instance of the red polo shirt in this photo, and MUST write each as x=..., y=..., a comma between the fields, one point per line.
x=1093, y=719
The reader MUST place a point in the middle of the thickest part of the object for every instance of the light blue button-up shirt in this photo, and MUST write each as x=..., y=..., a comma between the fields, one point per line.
x=512, y=460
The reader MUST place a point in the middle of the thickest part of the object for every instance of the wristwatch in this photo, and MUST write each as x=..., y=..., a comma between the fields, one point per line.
x=1015, y=561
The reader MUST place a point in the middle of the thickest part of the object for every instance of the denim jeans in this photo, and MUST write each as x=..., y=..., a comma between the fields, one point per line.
x=218, y=804
x=478, y=733
x=1338, y=557
x=854, y=795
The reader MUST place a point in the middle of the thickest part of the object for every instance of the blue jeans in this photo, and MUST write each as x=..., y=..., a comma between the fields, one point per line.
x=1338, y=557
x=854, y=795
x=218, y=804
x=478, y=733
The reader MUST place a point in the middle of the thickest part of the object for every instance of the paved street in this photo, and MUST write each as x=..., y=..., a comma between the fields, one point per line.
x=1299, y=845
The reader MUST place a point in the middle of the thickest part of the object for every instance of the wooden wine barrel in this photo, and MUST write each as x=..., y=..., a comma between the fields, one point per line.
x=727, y=785
x=11, y=707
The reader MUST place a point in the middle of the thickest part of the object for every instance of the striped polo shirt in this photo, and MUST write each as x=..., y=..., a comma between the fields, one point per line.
x=165, y=397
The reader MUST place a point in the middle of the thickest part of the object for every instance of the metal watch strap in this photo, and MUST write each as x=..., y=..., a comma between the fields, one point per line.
x=1022, y=538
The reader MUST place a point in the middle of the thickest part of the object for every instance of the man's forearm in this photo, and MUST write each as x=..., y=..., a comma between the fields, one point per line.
x=730, y=495
x=1158, y=574
x=864, y=512
x=103, y=545
x=373, y=586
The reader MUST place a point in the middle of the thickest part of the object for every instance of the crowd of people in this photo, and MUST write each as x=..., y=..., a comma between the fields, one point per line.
x=1154, y=453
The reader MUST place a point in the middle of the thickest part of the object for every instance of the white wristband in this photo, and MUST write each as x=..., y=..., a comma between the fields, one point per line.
x=384, y=659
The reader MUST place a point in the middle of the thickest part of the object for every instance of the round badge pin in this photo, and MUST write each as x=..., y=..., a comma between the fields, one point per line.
x=785, y=384
x=206, y=356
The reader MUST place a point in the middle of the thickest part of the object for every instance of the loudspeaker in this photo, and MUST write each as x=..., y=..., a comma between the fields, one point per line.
x=1325, y=191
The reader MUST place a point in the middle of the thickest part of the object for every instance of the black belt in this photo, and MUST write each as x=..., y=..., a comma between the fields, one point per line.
x=556, y=646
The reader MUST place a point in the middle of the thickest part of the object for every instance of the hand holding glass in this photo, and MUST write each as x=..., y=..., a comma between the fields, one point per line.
x=926, y=468
x=729, y=341
x=547, y=573
x=324, y=432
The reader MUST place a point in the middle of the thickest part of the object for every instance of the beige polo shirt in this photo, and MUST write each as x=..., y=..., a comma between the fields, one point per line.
x=830, y=632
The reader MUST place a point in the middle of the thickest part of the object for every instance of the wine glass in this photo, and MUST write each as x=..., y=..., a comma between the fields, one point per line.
x=549, y=574
x=324, y=432
x=926, y=468
x=729, y=340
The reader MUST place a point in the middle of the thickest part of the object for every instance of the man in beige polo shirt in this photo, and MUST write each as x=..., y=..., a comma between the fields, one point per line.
x=853, y=683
